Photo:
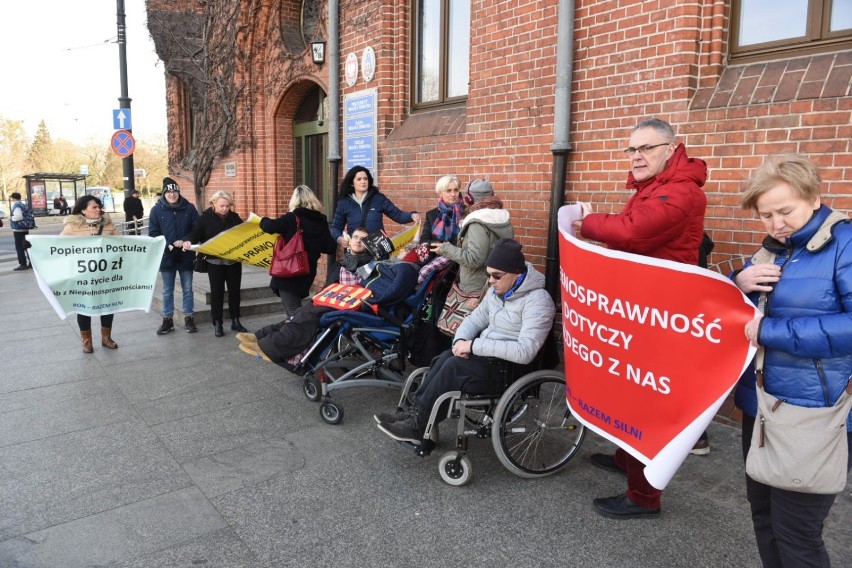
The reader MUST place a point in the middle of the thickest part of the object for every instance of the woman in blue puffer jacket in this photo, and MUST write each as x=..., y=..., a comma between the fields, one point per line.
x=806, y=333
x=361, y=204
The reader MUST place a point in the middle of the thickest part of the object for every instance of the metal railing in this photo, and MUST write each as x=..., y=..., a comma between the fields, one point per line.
x=138, y=227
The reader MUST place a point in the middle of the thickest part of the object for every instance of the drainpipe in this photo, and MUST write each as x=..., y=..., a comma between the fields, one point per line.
x=561, y=139
x=334, y=157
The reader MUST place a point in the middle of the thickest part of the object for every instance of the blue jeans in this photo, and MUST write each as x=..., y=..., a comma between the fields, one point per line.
x=169, y=292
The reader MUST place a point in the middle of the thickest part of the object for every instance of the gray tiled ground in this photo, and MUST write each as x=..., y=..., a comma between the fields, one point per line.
x=182, y=451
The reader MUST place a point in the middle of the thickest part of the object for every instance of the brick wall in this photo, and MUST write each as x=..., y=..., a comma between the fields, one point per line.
x=632, y=59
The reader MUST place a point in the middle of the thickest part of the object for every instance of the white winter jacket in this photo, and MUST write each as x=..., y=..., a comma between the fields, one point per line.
x=512, y=328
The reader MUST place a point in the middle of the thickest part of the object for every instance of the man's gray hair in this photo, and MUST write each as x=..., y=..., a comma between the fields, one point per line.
x=660, y=126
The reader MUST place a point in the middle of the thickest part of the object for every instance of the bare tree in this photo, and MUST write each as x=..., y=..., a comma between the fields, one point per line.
x=220, y=52
x=13, y=152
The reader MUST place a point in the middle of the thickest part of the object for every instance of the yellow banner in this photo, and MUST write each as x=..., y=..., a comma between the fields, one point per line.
x=248, y=244
x=245, y=243
x=404, y=237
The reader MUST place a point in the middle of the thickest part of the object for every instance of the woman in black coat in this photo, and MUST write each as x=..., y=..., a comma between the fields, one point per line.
x=444, y=221
x=305, y=206
x=218, y=218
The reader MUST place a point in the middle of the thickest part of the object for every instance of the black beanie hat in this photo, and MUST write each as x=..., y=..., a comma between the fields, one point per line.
x=169, y=183
x=507, y=256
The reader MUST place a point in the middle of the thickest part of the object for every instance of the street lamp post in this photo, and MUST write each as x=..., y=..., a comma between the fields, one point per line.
x=124, y=99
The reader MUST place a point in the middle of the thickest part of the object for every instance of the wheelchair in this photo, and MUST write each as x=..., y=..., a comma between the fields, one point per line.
x=531, y=428
x=359, y=349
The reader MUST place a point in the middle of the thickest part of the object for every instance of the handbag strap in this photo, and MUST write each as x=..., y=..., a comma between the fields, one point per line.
x=767, y=257
x=298, y=223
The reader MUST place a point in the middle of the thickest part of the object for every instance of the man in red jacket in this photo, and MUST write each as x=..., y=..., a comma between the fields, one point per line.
x=664, y=219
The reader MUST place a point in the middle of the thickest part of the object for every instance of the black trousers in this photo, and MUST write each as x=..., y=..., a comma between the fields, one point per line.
x=20, y=237
x=787, y=524
x=219, y=275
x=450, y=373
x=85, y=322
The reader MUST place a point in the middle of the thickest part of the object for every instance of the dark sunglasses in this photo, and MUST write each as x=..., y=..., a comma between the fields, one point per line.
x=495, y=276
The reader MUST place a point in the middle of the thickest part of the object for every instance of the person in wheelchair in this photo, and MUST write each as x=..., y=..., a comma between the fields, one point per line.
x=280, y=341
x=511, y=323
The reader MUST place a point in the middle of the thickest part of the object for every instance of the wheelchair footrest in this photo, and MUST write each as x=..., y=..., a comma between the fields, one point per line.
x=422, y=450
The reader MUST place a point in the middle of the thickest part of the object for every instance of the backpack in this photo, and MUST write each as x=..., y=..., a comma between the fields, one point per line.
x=28, y=222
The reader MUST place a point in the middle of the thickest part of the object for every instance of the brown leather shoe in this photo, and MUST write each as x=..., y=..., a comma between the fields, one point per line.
x=86, y=336
x=106, y=340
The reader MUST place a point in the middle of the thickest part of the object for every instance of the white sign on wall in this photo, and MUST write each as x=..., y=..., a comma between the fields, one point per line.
x=368, y=64
x=351, y=69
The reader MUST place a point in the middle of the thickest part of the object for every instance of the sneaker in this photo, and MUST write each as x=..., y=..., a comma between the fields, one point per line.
x=254, y=350
x=701, y=447
x=409, y=429
x=167, y=326
x=391, y=417
x=246, y=337
x=189, y=324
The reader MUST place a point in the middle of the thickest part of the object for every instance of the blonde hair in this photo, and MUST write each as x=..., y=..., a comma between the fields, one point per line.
x=795, y=170
x=222, y=195
x=304, y=196
x=444, y=183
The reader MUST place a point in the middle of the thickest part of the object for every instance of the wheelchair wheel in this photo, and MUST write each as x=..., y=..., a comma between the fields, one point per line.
x=331, y=412
x=534, y=432
x=412, y=384
x=312, y=388
x=455, y=469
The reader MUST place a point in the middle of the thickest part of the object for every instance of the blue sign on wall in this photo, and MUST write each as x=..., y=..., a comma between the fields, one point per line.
x=359, y=125
x=359, y=131
x=359, y=152
x=360, y=103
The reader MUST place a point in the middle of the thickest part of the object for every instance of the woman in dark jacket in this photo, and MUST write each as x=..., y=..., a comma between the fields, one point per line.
x=805, y=269
x=218, y=218
x=357, y=192
x=444, y=221
x=305, y=206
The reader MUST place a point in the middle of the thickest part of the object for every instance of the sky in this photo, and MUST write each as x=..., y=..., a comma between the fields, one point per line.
x=59, y=62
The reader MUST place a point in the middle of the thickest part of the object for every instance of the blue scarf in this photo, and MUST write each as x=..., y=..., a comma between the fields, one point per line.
x=446, y=226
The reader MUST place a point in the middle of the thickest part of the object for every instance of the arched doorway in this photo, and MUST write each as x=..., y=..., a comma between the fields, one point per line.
x=310, y=145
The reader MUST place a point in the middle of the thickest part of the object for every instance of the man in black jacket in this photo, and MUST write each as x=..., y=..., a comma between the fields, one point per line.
x=133, y=212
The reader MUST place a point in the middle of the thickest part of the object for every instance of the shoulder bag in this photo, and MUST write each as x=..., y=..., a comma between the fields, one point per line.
x=798, y=448
x=457, y=306
x=199, y=263
x=290, y=259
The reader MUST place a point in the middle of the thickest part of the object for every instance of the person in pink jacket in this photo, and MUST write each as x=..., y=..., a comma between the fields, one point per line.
x=664, y=219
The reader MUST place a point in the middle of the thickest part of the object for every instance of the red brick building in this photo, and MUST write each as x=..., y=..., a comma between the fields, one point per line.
x=470, y=87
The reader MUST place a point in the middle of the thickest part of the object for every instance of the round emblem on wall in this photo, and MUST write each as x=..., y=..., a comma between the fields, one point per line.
x=368, y=64
x=351, y=69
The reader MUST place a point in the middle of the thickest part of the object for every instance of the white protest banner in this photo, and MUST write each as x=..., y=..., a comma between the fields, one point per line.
x=96, y=275
x=652, y=348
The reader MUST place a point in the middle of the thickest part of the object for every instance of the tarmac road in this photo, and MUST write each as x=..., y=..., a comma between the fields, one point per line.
x=181, y=451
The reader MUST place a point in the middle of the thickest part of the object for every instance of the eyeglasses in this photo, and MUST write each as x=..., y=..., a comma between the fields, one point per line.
x=495, y=276
x=644, y=149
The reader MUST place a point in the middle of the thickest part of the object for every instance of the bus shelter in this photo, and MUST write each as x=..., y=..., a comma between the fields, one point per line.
x=43, y=188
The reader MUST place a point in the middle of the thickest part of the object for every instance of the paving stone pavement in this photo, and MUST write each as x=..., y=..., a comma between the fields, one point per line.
x=181, y=451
